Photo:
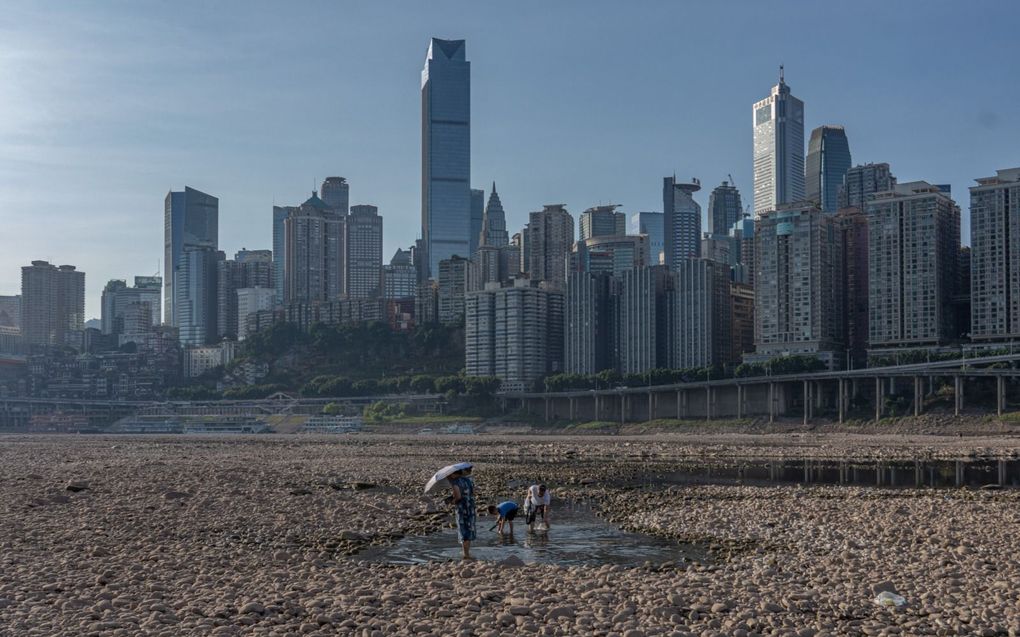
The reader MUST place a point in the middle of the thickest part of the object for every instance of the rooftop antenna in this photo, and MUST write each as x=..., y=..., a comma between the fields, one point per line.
x=780, y=73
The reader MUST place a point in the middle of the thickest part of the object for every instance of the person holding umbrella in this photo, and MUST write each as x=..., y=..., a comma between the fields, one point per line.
x=459, y=479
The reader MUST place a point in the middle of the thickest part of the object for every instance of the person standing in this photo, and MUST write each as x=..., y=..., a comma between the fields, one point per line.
x=537, y=503
x=464, y=501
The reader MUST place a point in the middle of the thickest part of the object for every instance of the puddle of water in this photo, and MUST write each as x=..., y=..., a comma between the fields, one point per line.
x=900, y=473
x=576, y=537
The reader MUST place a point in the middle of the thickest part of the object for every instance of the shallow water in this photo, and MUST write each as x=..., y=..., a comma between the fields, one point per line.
x=899, y=473
x=576, y=537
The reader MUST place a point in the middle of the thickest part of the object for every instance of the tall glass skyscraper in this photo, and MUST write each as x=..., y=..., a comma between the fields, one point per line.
x=190, y=220
x=724, y=208
x=445, y=154
x=477, y=215
x=280, y=214
x=336, y=193
x=778, y=149
x=650, y=225
x=681, y=221
x=828, y=159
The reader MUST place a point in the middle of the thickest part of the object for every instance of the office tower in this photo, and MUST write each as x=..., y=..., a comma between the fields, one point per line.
x=549, y=237
x=494, y=222
x=196, y=305
x=741, y=321
x=681, y=222
x=117, y=296
x=453, y=275
x=602, y=221
x=649, y=224
x=52, y=303
x=399, y=277
x=610, y=254
x=190, y=220
x=828, y=159
x=445, y=154
x=701, y=331
x=852, y=225
x=588, y=323
x=643, y=335
x=913, y=253
x=862, y=182
x=280, y=214
x=248, y=269
x=519, y=241
x=251, y=301
x=477, y=218
x=313, y=268
x=336, y=194
x=778, y=149
x=797, y=296
x=995, y=257
x=363, y=239
x=10, y=311
x=742, y=234
x=514, y=333
x=720, y=248
x=426, y=302
x=724, y=208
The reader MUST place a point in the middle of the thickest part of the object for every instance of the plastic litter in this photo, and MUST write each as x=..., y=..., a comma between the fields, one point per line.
x=889, y=600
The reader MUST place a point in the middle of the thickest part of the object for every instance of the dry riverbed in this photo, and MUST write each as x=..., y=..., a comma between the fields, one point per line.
x=254, y=536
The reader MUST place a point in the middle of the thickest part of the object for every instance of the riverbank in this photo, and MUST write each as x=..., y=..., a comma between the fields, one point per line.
x=239, y=535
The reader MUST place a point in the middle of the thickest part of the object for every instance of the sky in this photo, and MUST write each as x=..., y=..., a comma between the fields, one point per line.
x=106, y=106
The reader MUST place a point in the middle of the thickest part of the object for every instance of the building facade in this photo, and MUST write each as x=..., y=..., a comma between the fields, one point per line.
x=313, y=249
x=477, y=219
x=913, y=256
x=701, y=332
x=280, y=214
x=588, y=323
x=117, y=297
x=853, y=229
x=860, y=183
x=10, y=310
x=190, y=220
x=250, y=301
x=197, y=301
x=602, y=221
x=335, y=192
x=643, y=338
x=609, y=254
x=399, y=278
x=741, y=321
x=446, y=154
x=650, y=224
x=681, y=221
x=362, y=253
x=452, y=286
x=52, y=304
x=248, y=269
x=995, y=257
x=797, y=296
x=828, y=159
x=778, y=149
x=494, y=232
x=724, y=209
x=548, y=243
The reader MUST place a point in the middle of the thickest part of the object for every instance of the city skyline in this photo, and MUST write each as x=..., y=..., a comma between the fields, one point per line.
x=121, y=161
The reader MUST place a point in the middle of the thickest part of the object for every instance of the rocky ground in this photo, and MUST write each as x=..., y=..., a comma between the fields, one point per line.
x=255, y=535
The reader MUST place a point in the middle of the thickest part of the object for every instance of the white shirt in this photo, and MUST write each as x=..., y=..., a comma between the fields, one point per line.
x=538, y=500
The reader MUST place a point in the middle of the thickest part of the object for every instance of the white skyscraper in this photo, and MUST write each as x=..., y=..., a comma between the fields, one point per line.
x=778, y=149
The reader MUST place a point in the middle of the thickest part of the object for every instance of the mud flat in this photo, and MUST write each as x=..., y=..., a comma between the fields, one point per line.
x=258, y=536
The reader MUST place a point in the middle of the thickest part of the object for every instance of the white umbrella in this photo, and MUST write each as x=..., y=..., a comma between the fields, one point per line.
x=445, y=473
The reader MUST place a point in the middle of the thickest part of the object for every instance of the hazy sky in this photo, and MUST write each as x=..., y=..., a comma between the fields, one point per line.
x=105, y=106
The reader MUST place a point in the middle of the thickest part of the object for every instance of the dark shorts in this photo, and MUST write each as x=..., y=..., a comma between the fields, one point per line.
x=535, y=512
x=509, y=517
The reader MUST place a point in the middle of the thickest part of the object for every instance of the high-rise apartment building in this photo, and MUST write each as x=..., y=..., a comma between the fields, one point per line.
x=280, y=214
x=609, y=254
x=724, y=208
x=860, y=183
x=363, y=244
x=828, y=159
x=313, y=249
x=913, y=253
x=117, y=297
x=10, y=311
x=853, y=229
x=399, y=278
x=52, y=303
x=248, y=269
x=995, y=257
x=494, y=222
x=643, y=336
x=514, y=332
x=701, y=331
x=650, y=224
x=778, y=149
x=251, y=301
x=446, y=154
x=681, y=222
x=190, y=220
x=197, y=302
x=741, y=321
x=742, y=235
x=336, y=194
x=588, y=323
x=453, y=281
x=549, y=237
x=477, y=218
x=602, y=221
x=798, y=301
